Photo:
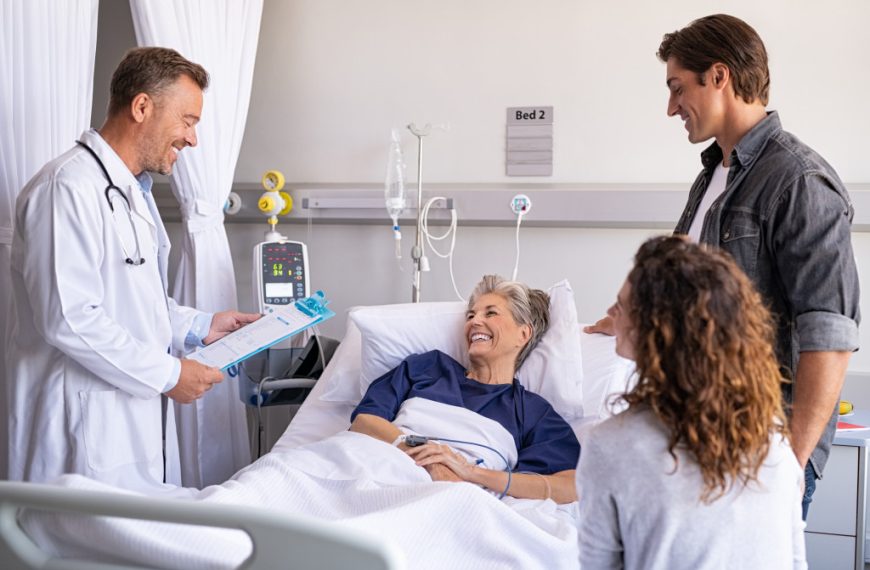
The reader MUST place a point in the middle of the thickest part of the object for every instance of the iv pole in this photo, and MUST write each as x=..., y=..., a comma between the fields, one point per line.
x=417, y=250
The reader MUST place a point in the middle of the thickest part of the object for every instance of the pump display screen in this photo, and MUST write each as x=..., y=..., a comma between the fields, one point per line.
x=279, y=290
x=283, y=270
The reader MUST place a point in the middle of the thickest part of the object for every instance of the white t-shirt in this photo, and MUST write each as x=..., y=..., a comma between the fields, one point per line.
x=715, y=189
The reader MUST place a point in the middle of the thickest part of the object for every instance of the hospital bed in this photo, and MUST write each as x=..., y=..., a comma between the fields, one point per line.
x=538, y=533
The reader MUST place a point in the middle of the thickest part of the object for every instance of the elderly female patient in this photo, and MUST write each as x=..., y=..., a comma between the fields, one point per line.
x=697, y=472
x=503, y=324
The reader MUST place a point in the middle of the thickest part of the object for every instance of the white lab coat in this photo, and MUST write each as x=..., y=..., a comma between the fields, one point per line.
x=88, y=338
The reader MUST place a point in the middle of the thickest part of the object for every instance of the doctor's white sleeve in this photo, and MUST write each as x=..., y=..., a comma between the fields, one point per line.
x=64, y=229
x=186, y=324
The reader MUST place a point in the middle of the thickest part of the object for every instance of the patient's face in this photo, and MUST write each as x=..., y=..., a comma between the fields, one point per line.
x=491, y=332
x=622, y=326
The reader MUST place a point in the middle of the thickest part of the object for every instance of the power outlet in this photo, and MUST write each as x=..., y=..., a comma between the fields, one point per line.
x=521, y=204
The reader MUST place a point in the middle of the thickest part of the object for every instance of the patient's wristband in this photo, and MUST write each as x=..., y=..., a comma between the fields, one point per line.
x=399, y=440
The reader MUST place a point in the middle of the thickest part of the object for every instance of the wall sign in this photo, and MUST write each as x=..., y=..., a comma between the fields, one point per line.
x=529, y=148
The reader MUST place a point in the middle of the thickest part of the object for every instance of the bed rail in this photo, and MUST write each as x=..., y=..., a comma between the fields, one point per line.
x=278, y=540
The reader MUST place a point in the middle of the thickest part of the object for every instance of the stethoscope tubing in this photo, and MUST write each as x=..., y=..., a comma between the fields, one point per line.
x=138, y=260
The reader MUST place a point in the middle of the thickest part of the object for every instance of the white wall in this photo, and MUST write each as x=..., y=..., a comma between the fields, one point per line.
x=333, y=76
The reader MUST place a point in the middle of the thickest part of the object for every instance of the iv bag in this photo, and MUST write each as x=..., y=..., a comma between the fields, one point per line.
x=394, y=186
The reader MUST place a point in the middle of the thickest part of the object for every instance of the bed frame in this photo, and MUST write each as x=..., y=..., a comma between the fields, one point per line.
x=278, y=540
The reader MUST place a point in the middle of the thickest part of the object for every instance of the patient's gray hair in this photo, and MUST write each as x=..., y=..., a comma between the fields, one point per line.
x=528, y=306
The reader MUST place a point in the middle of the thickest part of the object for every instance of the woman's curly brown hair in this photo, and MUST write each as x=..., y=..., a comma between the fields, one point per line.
x=705, y=359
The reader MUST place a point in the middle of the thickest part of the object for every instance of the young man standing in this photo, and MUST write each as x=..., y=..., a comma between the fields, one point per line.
x=779, y=209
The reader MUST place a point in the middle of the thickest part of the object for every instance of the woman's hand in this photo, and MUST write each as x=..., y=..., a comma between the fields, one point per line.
x=440, y=473
x=432, y=454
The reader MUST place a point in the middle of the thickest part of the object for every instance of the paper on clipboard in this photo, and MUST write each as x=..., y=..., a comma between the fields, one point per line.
x=279, y=324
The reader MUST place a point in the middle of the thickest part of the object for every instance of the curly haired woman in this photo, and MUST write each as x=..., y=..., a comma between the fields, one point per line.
x=697, y=472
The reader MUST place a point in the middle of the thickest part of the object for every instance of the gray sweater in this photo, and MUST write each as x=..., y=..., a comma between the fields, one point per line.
x=637, y=512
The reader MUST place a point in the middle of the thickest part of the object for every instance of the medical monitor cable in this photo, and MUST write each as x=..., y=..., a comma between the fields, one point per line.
x=451, y=233
x=517, y=261
x=417, y=440
x=520, y=206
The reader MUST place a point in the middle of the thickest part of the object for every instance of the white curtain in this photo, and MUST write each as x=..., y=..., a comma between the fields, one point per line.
x=47, y=51
x=220, y=35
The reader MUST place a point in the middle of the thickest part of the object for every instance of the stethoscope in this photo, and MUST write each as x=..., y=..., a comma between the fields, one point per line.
x=138, y=259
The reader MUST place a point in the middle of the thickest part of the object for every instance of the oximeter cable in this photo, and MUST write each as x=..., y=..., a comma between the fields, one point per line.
x=417, y=440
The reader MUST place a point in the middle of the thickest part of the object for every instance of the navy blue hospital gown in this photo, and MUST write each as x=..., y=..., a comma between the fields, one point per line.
x=544, y=440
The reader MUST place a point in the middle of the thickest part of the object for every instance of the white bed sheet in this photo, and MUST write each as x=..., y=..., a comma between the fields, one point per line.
x=349, y=479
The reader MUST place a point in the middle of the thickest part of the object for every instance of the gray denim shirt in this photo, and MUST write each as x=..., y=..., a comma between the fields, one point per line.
x=786, y=218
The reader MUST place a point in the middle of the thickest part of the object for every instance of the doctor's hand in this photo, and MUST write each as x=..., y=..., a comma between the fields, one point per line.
x=194, y=381
x=225, y=322
x=603, y=326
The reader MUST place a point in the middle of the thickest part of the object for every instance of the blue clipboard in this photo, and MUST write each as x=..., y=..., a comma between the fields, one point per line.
x=276, y=325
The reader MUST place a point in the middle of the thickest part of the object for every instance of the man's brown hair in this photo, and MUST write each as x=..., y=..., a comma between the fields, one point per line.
x=150, y=70
x=722, y=39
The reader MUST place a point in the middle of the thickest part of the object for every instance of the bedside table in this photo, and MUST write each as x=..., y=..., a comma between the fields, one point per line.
x=835, y=532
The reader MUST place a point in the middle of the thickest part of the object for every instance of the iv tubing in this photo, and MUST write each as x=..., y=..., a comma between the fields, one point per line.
x=451, y=232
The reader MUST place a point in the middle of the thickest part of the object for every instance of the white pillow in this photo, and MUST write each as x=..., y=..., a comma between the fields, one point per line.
x=554, y=369
x=392, y=333
x=341, y=376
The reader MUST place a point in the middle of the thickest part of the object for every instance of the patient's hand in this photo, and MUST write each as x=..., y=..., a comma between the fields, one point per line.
x=434, y=454
x=603, y=326
x=439, y=472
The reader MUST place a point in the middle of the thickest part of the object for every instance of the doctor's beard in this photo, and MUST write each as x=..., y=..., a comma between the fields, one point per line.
x=157, y=156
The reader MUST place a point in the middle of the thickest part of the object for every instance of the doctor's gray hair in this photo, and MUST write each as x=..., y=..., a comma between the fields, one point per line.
x=527, y=306
x=150, y=70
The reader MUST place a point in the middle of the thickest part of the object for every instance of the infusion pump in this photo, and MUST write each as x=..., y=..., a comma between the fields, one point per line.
x=280, y=273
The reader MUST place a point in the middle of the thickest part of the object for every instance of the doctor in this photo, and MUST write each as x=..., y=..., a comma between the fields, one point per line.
x=92, y=332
